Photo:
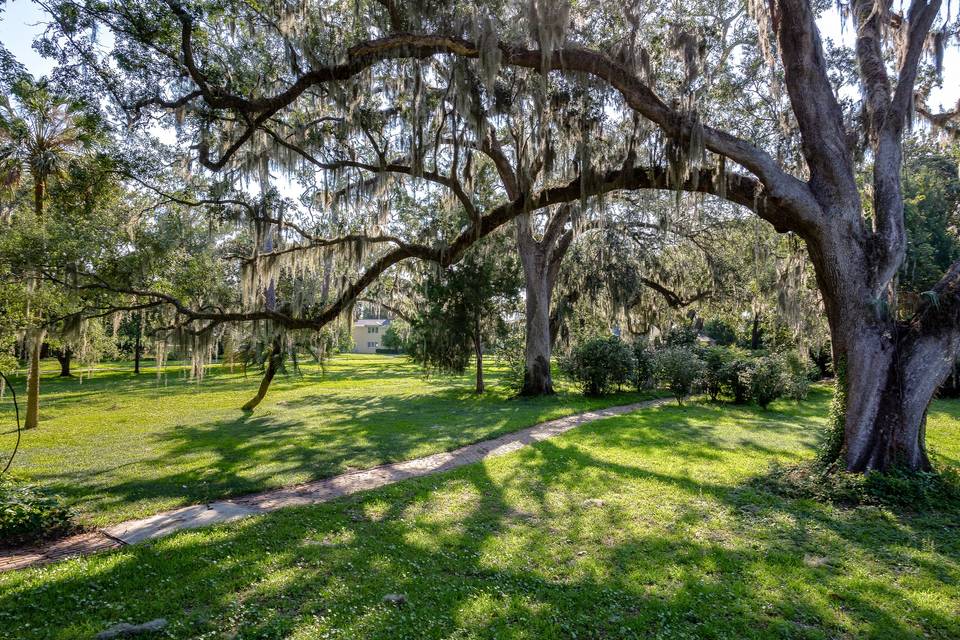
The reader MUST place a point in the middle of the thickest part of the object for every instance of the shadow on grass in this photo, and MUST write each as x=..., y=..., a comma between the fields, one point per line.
x=517, y=554
x=329, y=433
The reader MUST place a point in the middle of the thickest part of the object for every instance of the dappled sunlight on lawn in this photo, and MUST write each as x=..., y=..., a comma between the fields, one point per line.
x=118, y=446
x=636, y=526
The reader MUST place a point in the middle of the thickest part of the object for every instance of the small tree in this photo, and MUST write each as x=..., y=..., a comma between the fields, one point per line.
x=643, y=369
x=735, y=380
x=599, y=363
x=768, y=380
x=679, y=368
x=511, y=358
x=392, y=338
x=715, y=360
x=463, y=308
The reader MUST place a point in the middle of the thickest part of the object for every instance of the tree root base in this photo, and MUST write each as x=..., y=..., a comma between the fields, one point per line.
x=898, y=489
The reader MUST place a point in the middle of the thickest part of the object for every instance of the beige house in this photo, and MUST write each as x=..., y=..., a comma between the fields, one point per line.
x=368, y=335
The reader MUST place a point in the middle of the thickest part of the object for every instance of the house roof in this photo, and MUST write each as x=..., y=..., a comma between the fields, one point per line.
x=381, y=322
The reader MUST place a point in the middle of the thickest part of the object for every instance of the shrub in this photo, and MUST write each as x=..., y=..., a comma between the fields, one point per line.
x=621, y=362
x=29, y=515
x=679, y=368
x=768, y=380
x=715, y=361
x=721, y=332
x=598, y=363
x=643, y=370
x=735, y=380
x=800, y=371
x=681, y=336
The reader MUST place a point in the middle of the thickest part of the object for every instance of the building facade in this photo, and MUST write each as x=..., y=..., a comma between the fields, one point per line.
x=368, y=335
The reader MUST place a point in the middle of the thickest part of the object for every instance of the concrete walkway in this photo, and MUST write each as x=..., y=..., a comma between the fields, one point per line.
x=167, y=522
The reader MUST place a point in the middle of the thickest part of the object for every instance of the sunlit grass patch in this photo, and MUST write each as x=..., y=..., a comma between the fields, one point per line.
x=118, y=446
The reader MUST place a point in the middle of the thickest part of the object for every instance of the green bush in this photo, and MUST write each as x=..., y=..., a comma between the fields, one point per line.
x=679, y=368
x=28, y=515
x=681, y=336
x=735, y=380
x=800, y=371
x=722, y=333
x=643, y=369
x=599, y=363
x=768, y=380
x=715, y=360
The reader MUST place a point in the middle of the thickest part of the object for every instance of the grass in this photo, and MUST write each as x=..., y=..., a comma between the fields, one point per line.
x=640, y=526
x=117, y=446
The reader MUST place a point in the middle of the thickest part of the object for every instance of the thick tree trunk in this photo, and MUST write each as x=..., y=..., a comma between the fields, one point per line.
x=884, y=398
x=64, y=357
x=33, y=382
x=539, y=289
x=273, y=364
x=887, y=371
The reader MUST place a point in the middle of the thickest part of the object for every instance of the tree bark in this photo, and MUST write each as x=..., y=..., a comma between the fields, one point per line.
x=39, y=192
x=478, y=349
x=138, y=345
x=755, y=332
x=273, y=365
x=64, y=357
x=33, y=381
x=887, y=370
x=537, y=379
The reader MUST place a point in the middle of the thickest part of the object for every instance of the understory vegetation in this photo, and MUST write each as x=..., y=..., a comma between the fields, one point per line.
x=684, y=365
x=28, y=514
x=645, y=525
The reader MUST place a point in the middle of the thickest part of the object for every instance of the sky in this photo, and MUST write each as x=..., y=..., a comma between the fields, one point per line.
x=22, y=21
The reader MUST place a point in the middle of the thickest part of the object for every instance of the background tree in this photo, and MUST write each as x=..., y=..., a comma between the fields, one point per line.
x=463, y=309
x=47, y=137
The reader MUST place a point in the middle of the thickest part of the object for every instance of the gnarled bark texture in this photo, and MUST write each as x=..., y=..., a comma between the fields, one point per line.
x=891, y=367
x=541, y=261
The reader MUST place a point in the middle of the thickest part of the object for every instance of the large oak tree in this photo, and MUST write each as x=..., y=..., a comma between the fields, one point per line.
x=240, y=73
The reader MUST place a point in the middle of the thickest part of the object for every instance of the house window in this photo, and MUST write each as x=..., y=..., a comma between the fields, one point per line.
x=373, y=345
x=373, y=329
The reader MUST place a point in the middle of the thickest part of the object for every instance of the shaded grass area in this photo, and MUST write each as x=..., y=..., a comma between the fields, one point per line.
x=118, y=446
x=639, y=526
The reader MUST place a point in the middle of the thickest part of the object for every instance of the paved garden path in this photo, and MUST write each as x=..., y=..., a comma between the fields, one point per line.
x=167, y=522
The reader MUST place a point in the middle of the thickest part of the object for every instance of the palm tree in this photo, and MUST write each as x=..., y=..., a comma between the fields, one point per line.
x=39, y=134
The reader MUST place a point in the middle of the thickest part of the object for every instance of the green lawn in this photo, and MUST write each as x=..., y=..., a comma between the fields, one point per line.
x=119, y=446
x=641, y=526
